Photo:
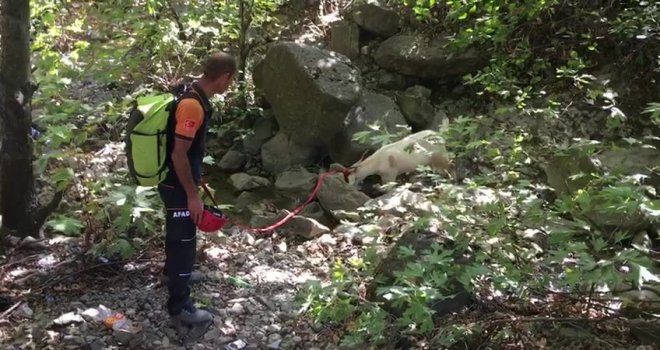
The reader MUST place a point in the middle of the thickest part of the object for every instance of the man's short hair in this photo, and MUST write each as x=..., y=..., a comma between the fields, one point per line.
x=219, y=63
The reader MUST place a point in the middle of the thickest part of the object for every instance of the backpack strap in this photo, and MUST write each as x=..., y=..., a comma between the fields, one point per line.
x=188, y=91
x=182, y=92
x=194, y=95
x=206, y=104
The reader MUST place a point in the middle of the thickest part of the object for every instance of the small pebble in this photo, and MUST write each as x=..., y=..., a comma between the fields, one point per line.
x=237, y=309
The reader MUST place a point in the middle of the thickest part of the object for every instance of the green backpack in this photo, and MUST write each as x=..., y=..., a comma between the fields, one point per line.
x=146, y=138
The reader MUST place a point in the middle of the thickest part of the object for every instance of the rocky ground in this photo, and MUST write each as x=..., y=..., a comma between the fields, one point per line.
x=251, y=288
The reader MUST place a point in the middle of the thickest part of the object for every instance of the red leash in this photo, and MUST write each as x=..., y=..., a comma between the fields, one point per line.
x=295, y=212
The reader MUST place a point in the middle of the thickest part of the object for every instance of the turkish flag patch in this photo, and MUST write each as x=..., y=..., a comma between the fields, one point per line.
x=189, y=123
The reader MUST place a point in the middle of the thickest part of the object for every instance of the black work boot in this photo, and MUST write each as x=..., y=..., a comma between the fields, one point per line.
x=192, y=323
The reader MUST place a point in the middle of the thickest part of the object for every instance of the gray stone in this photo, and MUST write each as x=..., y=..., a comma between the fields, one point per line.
x=345, y=39
x=275, y=344
x=310, y=90
x=561, y=171
x=123, y=336
x=377, y=19
x=328, y=240
x=365, y=50
x=264, y=128
x=304, y=227
x=68, y=318
x=296, y=181
x=315, y=211
x=415, y=56
x=237, y=309
x=415, y=104
x=644, y=160
x=438, y=118
x=245, y=182
x=232, y=161
x=349, y=231
x=97, y=344
x=392, y=81
x=282, y=152
x=572, y=172
x=245, y=199
x=373, y=109
x=337, y=194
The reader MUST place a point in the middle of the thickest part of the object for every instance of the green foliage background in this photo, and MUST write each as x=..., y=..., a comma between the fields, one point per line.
x=91, y=58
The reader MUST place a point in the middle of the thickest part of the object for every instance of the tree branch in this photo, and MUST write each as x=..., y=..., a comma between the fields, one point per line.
x=555, y=319
x=177, y=19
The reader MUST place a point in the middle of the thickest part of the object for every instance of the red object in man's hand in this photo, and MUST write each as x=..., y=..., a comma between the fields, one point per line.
x=212, y=220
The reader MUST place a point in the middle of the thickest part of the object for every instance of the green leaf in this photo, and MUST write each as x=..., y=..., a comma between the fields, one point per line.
x=66, y=225
x=121, y=247
x=642, y=274
x=406, y=252
x=238, y=282
x=63, y=177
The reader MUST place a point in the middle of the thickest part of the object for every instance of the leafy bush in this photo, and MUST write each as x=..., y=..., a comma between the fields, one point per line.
x=544, y=55
x=87, y=56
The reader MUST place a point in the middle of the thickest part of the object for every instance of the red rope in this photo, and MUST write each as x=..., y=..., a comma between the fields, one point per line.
x=295, y=212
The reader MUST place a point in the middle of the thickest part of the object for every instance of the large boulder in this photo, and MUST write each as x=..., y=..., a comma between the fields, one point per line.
x=373, y=109
x=282, y=152
x=570, y=173
x=561, y=173
x=377, y=19
x=310, y=90
x=345, y=39
x=415, y=104
x=416, y=56
x=644, y=160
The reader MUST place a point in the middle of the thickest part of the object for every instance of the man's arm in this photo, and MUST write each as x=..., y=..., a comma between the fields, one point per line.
x=189, y=117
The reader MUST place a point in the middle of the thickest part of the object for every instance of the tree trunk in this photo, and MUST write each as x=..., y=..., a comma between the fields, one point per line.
x=245, y=8
x=17, y=204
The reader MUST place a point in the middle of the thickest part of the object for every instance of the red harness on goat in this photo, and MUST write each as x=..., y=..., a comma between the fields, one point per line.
x=214, y=222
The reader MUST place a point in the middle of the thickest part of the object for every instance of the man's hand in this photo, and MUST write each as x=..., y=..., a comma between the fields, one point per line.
x=196, y=208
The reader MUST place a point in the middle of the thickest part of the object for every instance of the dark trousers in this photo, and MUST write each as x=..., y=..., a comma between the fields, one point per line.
x=180, y=247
